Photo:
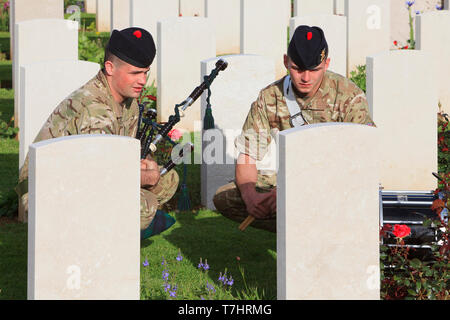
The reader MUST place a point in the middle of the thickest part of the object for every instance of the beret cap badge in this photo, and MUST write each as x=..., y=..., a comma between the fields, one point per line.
x=137, y=34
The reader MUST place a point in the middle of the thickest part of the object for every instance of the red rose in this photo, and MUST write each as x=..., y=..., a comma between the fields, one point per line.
x=395, y=42
x=401, y=230
x=174, y=134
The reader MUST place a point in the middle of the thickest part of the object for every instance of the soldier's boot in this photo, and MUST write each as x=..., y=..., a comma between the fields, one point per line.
x=161, y=222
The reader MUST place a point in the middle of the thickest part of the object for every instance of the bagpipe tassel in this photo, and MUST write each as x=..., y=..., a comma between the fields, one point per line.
x=208, y=120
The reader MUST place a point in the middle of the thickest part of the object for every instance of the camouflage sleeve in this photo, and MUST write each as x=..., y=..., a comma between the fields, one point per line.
x=357, y=108
x=255, y=136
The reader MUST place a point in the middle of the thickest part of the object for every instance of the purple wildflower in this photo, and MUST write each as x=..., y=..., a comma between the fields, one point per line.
x=206, y=265
x=210, y=287
x=173, y=293
x=166, y=287
x=179, y=257
x=146, y=264
x=200, y=265
x=225, y=281
x=438, y=7
x=163, y=263
x=417, y=12
x=409, y=3
x=165, y=275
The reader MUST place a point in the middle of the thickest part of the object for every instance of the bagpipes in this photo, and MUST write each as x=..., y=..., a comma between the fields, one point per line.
x=153, y=133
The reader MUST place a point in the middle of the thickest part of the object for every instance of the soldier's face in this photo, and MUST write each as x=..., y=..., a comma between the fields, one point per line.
x=127, y=81
x=307, y=82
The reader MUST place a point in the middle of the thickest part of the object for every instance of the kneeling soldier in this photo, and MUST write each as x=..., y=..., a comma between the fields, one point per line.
x=309, y=94
x=107, y=104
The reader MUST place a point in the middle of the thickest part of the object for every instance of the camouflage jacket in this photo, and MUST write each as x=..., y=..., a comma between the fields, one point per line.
x=337, y=100
x=90, y=109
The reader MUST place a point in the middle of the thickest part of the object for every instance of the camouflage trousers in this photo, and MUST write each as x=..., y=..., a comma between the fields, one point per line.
x=229, y=203
x=151, y=199
x=155, y=197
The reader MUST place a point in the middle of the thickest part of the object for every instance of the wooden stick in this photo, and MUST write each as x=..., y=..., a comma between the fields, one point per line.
x=246, y=223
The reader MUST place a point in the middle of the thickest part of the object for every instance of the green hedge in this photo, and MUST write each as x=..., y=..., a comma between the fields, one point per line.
x=4, y=42
x=6, y=70
x=103, y=36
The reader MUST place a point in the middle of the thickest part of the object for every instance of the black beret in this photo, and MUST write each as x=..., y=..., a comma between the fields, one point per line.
x=133, y=45
x=308, y=47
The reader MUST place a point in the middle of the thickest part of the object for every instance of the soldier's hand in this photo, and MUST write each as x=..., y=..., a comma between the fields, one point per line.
x=149, y=173
x=261, y=205
x=149, y=164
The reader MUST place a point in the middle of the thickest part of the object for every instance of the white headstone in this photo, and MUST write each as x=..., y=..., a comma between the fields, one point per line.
x=91, y=6
x=309, y=7
x=41, y=40
x=145, y=14
x=182, y=44
x=400, y=29
x=193, y=8
x=328, y=213
x=335, y=30
x=84, y=219
x=233, y=92
x=368, y=30
x=57, y=79
x=226, y=20
x=428, y=25
x=120, y=14
x=264, y=25
x=103, y=16
x=404, y=109
x=22, y=10
x=339, y=7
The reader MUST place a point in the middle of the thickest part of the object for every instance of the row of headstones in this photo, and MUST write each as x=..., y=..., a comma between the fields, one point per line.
x=406, y=122
x=70, y=168
x=70, y=173
x=115, y=14
x=37, y=107
x=363, y=31
x=345, y=34
x=73, y=206
x=81, y=276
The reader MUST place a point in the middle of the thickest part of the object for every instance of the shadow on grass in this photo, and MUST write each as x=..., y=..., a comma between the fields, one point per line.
x=210, y=236
x=13, y=261
x=9, y=172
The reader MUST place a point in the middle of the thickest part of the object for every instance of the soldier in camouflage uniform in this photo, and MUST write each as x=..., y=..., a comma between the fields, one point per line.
x=107, y=105
x=323, y=96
